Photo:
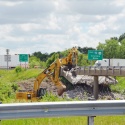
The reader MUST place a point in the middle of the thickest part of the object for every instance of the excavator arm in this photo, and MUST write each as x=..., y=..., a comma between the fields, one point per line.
x=52, y=72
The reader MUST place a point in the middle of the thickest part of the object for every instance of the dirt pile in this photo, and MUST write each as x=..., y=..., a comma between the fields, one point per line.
x=28, y=85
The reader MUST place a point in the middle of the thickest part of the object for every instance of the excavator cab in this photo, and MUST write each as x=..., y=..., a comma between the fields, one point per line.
x=41, y=92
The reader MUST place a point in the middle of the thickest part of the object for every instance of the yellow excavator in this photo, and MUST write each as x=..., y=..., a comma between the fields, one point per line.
x=53, y=73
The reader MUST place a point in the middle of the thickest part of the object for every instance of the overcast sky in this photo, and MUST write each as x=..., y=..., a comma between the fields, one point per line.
x=28, y=26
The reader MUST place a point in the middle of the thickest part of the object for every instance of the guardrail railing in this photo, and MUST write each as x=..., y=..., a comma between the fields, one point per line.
x=60, y=109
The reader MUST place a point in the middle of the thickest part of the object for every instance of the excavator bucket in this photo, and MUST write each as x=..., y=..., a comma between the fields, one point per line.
x=61, y=89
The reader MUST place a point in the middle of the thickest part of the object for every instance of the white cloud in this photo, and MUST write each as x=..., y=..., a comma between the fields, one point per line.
x=6, y=28
x=89, y=7
x=54, y=25
x=96, y=29
x=29, y=27
x=10, y=3
x=120, y=3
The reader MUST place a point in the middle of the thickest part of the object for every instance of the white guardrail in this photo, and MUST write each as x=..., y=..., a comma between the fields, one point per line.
x=54, y=109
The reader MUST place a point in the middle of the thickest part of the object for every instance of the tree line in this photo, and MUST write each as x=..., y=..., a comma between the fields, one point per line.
x=45, y=59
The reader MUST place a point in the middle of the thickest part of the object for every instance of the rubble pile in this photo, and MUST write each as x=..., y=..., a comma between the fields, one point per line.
x=79, y=92
x=85, y=92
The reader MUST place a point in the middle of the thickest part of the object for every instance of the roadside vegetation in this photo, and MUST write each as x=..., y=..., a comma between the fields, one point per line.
x=9, y=79
x=120, y=87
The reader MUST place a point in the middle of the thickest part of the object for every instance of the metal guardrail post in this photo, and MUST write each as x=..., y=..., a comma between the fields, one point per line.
x=90, y=120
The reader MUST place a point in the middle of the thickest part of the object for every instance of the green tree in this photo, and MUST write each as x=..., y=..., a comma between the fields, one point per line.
x=43, y=64
x=34, y=61
x=52, y=59
x=84, y=50
x=101, y=46
x=122, y=49
x=41, y=56
x=82, y=59
x=110, y=48
x=121, y=37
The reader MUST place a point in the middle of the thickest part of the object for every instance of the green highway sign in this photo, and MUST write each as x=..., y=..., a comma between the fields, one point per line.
x=23, y=57
x=95, y=54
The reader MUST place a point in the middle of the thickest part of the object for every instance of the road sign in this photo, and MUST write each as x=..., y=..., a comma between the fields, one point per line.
x=23, y=57
x=95, y=54
x=7, y=58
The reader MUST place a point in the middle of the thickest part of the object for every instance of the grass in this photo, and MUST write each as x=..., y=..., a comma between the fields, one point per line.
x=109, y=120
x=120, y=86
x=12, y=76
x=48, y=121
x=79, y=120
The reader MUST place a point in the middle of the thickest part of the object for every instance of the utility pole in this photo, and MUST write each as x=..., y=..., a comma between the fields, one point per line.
x=7, y=51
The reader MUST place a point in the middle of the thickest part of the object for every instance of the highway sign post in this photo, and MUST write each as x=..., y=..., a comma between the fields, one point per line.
x=95, y=54
x=23, y=58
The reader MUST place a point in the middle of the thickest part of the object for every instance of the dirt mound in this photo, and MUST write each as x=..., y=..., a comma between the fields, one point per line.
x=27, y=85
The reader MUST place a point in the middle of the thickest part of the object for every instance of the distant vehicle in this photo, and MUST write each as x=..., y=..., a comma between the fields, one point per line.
x=110, y=62
x=13, y=61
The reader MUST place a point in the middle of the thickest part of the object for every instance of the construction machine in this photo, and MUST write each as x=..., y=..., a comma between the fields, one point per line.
x=53, y=73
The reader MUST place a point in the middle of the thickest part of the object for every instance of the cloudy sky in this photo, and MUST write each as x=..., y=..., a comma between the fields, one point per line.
x=27, y=26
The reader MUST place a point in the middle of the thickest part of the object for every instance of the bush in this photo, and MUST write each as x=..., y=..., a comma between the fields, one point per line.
x=49, y=97
x=18, y=69
x=14, y=87
x=34, y=61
